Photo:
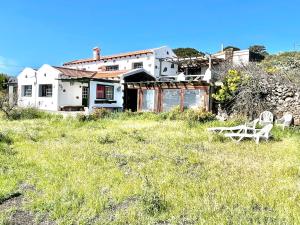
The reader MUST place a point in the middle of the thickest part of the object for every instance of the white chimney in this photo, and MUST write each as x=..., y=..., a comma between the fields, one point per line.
x=96, y=53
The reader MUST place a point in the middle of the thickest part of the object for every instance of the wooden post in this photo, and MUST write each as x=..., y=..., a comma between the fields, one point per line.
x=181, y=99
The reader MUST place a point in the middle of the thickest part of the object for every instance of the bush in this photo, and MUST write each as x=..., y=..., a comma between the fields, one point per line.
x=198, y=115
x=100, y=113
x=175, y=113
x=153, y=201
x=27, y=113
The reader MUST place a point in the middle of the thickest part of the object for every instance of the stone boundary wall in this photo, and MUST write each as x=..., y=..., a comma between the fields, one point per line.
x=284, y=98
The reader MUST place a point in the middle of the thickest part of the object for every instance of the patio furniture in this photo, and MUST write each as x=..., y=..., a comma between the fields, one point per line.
x=250, y=126
x=265, y=118
x=258, y=134
x=285, y=121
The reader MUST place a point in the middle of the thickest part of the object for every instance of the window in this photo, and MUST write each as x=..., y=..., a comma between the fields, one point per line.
x=27, y=90
x=85, y=92
x=109, y=92
x=171, y=98
x=45, y=90
x=112, y=68
x=165, y=69
x=104, y=92
x=148, y=102
x=172, y=66
x=137, y=65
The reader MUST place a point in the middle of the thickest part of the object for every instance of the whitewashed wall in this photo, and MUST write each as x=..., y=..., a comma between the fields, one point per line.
x=241, y=57
x=150, y=62
x=118, y=96
x=164, y=52
x=48, y=75
x=27, y=77
x=124, y=63
x=70, y=93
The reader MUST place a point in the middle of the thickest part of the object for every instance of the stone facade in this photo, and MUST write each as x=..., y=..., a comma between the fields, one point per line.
x=284, y=98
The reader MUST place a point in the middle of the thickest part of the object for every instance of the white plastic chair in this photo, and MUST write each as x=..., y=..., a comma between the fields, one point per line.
x=263, y=133
x=285, y=121
x=265, y=118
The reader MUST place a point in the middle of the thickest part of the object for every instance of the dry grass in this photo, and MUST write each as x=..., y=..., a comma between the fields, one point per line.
x=134, y=171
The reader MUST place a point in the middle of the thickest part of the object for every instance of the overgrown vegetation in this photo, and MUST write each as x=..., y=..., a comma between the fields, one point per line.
x=191, y=115
x=286, y=63
x=187, y=52
x=3, y=82
x=147, y=171
x=245, y=88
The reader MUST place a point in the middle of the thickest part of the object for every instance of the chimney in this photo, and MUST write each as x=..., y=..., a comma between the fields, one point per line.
x=229, y=54
x=96, y=53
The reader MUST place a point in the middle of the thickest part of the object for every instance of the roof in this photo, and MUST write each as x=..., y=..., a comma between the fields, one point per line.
x=110, y=74
x=12, y=80
x=75, y=72
x=101, y=75
x=134, y=53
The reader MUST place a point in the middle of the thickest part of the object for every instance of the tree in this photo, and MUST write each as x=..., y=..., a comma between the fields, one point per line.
x=7, y=104
x=187, y=52
x=3, y=81
x=231, y=47
x=259, y=49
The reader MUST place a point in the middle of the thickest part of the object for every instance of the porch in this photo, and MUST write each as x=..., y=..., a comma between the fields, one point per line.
x=162, y=96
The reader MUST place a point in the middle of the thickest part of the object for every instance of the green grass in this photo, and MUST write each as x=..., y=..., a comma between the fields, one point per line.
x=144, y=171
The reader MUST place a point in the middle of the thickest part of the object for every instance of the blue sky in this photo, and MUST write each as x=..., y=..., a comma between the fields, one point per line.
x=35, y=32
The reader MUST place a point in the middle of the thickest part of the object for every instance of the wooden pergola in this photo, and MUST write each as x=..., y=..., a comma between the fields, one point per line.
x=161, y=86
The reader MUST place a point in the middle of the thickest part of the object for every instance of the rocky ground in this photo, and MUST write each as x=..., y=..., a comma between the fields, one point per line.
x=13, y=205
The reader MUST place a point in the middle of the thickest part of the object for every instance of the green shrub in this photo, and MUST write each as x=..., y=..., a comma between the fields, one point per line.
x=100, y=113
x=106, y=139
x=28, y=113
x=198, y=115
x=4, y=138
x=153, y=202
x=82, y=117
x=175, y=113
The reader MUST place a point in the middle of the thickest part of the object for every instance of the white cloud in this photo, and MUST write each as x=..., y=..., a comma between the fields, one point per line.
x=8, y=66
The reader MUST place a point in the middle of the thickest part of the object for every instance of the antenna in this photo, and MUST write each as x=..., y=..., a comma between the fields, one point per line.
x=222, y=47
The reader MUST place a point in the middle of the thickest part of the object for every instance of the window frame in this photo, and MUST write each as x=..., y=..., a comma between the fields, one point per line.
x=106, y=92
x=140, y=65
x=43, y=90
x=85, y=92
x=24, y=89
x=112, y=68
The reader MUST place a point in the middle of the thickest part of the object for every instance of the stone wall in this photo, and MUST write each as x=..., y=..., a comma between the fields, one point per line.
x=283, y=98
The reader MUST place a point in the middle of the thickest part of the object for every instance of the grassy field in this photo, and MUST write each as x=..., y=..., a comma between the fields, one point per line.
x=134, y=171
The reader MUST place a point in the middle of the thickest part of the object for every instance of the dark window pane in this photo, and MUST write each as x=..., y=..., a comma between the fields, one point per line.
x=100, y=91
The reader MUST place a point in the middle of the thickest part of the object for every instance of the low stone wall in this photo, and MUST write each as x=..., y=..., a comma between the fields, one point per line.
x=284, y=98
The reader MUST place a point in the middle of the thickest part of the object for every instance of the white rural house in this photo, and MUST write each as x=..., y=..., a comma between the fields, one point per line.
x=151, y=60
x=99, y=82
x=57, y=88
x=118, y=81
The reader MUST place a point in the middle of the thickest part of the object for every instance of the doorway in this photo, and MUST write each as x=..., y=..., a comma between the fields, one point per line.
x=131, y=100
x=85, y=96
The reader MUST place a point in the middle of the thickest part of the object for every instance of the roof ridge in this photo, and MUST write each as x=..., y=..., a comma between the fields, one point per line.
x=137, y=52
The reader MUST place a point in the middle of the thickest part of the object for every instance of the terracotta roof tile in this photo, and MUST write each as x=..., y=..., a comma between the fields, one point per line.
x=110, y=57
x=75, y=72
x=109, y=74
